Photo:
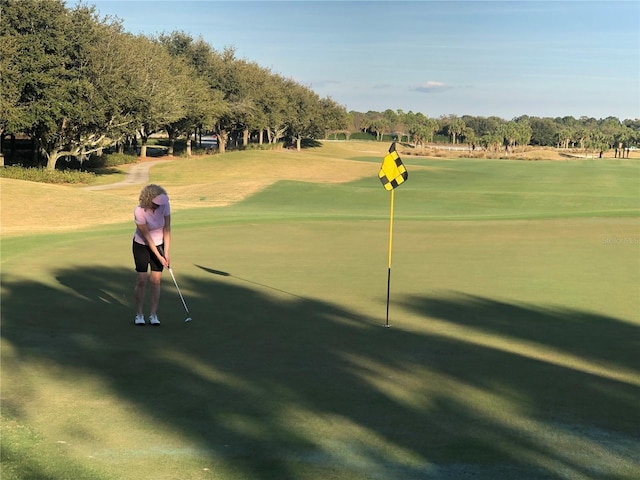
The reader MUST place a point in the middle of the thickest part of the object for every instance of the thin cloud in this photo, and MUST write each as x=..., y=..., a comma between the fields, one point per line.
x=431, y=87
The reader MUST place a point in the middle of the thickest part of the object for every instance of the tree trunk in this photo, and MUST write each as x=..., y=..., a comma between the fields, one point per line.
x=298, y=143
x=35, y=150
x=143, y=145
x=52, y=159
x=223, y=136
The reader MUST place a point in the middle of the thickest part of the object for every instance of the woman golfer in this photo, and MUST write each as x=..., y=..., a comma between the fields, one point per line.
x=151, y=244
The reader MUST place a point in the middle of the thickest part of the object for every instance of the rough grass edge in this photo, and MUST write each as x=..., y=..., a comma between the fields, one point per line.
x=44, y=175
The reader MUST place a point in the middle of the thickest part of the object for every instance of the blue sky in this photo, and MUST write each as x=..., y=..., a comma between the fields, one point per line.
x=502, y=58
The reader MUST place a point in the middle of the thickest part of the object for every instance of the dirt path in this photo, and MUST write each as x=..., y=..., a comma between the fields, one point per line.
x=137, y=174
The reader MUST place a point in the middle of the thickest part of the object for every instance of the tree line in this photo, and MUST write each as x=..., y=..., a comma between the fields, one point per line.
x=75, y=83
x=494, y=133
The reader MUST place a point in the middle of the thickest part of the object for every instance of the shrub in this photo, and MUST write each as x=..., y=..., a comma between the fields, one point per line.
x=110, y=160
x=362, y=136
x=264, y=146
x=44, y=175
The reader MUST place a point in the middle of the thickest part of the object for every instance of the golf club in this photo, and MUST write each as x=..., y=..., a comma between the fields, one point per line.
x=179, y=293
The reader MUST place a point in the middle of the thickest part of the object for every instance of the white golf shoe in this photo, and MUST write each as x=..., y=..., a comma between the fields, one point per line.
x=153, y=319
x=139, y=320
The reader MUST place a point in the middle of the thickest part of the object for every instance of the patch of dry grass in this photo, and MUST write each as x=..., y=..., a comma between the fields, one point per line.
x=527, y=153
x=30, y=208
x=211, y=181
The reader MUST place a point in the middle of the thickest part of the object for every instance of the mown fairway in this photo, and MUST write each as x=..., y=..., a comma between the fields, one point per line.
x=512, y=352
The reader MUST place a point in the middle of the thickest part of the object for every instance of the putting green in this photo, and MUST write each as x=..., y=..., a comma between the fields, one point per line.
x=512, y=351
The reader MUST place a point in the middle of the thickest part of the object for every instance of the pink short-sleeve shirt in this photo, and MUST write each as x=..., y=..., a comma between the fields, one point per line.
x=154, y=221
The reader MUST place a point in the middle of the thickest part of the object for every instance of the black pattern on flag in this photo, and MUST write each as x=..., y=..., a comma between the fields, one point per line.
x=392, y=173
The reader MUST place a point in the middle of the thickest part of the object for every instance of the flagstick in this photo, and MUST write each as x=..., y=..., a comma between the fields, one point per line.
x=390, y=246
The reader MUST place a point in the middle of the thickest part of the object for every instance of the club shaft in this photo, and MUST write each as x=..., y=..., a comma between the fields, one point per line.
x=178, y=288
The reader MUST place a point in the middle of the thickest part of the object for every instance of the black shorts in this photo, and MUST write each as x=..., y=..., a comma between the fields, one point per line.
x=143, y=257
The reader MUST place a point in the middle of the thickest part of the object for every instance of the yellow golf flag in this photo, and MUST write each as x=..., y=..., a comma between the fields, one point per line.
x=392, y=173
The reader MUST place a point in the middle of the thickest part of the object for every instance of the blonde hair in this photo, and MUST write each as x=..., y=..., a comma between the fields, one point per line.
x=150, y=192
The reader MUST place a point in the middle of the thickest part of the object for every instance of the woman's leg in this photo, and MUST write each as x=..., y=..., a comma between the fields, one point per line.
x=139, y=291
x=155, y=291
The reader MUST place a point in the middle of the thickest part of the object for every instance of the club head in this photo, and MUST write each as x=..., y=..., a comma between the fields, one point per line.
x=188, y=320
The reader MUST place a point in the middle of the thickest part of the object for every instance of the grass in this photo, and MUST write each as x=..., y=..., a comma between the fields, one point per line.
x=512, y=351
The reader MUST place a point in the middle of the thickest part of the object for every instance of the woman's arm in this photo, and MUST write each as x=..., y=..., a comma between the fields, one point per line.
x=144, y=231
x=166, y=231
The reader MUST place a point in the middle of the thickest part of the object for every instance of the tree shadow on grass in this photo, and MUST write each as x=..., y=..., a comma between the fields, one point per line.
x=279, y=386
x=573, y=332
